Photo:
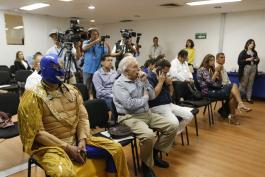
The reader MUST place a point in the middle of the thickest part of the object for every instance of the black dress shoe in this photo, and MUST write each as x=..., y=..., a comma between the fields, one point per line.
x=159, y=162
x=147, y=172
x=194, y=111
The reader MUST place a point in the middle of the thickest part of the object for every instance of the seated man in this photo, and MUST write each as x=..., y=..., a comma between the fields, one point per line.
x=103, y=80
x=131, y=93
x=179, y=69
x=220, y=61
x=35, y=77
x=162, y=104
x=54, y=128
x=180, y=72
x=149, y=65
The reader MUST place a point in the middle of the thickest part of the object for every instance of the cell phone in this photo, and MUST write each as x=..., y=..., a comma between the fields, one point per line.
x=158, y=70
x=83, y=155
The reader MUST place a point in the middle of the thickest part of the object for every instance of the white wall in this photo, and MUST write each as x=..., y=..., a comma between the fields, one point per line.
x=36, y=30
x=240, y=27
x=173, y=33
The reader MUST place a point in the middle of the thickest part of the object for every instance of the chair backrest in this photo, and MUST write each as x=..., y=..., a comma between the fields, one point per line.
x=4, y=68
x=97, y=113
x=9, y=102
x=180, y=91
x=197, y=85
x=22, y=75
x=5, y=77
x=83, y=90
x=114, y=113
x=12, y=69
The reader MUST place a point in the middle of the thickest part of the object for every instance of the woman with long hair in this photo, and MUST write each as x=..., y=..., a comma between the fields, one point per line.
x=248, y=61
x=191, y=53
x=208, y=76
x=20, y=62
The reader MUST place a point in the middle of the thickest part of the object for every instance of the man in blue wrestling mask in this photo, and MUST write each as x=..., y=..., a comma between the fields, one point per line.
x=54, y=128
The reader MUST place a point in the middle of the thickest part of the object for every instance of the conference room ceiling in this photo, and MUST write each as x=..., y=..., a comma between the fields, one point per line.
x=114, y=11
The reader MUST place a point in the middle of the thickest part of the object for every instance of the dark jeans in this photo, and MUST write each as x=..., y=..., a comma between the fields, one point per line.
x=99, y=153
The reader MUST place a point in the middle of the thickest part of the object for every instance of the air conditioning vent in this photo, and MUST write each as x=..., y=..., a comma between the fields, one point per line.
x=125, y=21
x=170, y=5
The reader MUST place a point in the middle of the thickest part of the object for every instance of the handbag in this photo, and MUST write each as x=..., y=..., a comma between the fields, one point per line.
x=215, y=86
x=196, y=94
x=5, y=120
x=120, y=131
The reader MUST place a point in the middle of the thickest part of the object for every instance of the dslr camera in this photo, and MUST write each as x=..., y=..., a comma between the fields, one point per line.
x=104, y=37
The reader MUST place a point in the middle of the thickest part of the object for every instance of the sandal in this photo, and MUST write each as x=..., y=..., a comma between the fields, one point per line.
x=242, y=107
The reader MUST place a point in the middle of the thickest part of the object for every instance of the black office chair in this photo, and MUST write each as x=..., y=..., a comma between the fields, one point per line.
x=21, y=77
x=12, y=70
x=181, y=91
x=5, y=77
x=5, y=81
x=32, y=161
x=4, y=68
x=83, y=90
x=9, y=104
x=98, y=117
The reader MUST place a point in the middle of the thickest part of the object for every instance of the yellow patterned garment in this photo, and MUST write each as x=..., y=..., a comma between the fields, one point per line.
x=60, y=118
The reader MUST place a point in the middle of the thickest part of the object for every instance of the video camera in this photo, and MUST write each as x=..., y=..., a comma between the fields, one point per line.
x=128, y=33
x=73, y=34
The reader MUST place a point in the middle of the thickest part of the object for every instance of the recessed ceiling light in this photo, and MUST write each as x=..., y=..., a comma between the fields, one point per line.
x=34, y=6
x=18, y=27
x=198, y=3
x=91, y=7
x=92, y=21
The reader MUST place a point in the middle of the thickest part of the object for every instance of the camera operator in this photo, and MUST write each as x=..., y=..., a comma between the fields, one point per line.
x=122, y=47
x=58, y=50
x=95, y=48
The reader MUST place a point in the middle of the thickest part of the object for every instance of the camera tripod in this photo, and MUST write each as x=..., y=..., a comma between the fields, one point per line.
x=68, y=59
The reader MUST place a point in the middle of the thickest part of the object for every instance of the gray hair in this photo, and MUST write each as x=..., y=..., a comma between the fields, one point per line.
x=125, y=62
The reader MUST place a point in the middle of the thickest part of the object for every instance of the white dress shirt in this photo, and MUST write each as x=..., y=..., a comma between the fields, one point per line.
x=180, y=71
x=32, y=80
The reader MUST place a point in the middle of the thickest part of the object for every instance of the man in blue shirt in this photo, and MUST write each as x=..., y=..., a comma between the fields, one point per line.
x=103, y=80
x=162, y=104
x=94, y=49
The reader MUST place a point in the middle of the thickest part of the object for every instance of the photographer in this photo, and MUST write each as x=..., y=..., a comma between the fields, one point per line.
x=95, y=48
x=58, y=50
x=123, y=46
